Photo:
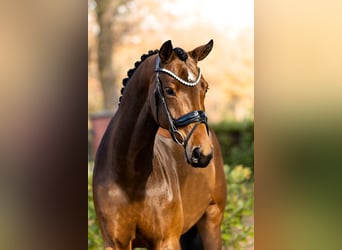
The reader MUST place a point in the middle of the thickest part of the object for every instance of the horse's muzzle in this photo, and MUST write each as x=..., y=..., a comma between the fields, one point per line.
x=198, y=159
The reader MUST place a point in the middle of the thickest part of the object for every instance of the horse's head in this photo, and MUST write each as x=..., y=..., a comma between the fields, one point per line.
x=178, y=100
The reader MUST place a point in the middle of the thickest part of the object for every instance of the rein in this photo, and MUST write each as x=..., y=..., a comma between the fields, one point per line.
x=197, y=116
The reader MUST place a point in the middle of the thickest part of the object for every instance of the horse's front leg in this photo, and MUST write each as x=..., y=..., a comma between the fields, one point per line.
x=117, y=242
x=168, y=244
x=109, y=246
x=117, y=235
x=209, y=228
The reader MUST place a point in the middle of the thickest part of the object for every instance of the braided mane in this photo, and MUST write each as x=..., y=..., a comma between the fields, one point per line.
x=131, y=71
x=181, y=54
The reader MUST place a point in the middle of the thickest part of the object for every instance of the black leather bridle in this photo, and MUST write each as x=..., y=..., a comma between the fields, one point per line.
x=197, y=116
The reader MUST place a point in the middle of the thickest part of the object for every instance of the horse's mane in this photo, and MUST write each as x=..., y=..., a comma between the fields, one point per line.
x=181, y=54
x=131, y=71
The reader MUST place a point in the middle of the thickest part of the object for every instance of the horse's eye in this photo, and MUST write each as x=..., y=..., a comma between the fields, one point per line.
x=170, y=91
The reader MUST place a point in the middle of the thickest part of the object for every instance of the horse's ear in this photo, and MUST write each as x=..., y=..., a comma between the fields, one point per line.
x=165, y=51
x=201, y=52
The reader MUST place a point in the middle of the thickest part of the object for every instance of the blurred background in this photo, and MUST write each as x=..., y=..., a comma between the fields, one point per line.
x=119, y=32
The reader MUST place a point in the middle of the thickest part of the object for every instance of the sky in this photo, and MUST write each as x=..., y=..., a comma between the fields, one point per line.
x=236, y=14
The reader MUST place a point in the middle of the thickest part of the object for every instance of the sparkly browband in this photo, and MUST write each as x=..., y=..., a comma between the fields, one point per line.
x=170, y=73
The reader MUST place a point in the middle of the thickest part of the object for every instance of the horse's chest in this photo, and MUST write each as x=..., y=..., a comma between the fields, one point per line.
x=162, y=190
x=174, y=200
x=162, y=209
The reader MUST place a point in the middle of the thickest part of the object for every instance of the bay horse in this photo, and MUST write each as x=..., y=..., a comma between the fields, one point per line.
x=158, y=179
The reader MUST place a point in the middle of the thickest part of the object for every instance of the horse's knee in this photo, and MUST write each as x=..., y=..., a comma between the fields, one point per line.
x=168, y=244
x=108, y=246
x=123, y=245
x=118, y=242
x=118, y=246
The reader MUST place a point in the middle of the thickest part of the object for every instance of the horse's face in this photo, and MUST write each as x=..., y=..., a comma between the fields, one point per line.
x=182, y=99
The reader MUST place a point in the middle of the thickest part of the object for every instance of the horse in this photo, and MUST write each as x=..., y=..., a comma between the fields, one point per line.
x=158, y=179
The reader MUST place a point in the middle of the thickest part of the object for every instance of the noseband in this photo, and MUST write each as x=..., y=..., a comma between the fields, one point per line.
x=197, y=116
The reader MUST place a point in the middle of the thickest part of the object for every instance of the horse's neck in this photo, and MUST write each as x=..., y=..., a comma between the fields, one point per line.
x=133, y=136
x=140, y=150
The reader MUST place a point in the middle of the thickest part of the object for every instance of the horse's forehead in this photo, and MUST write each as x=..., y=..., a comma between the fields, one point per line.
x=191, y=75
x=188, y=68
x=191, y=72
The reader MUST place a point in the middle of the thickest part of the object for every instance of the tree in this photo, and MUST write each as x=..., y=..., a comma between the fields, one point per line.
x=106, y=11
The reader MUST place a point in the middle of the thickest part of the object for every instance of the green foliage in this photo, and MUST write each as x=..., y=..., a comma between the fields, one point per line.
x=237, y=146
x=95, y=241
x=238, y=227
x=237, y=142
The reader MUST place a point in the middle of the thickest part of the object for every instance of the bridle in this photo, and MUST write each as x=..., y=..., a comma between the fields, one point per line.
x=197, y=116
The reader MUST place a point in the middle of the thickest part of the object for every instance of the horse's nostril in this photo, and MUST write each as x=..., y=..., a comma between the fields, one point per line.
x=198, y=159
x=196, y=153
